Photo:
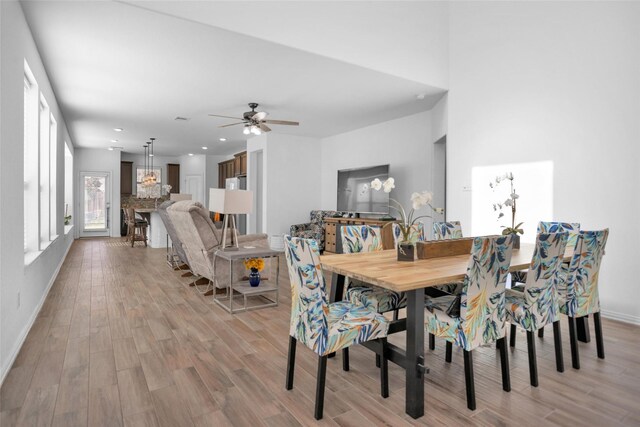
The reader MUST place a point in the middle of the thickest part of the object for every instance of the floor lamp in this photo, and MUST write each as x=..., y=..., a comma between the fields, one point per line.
x=230, y=203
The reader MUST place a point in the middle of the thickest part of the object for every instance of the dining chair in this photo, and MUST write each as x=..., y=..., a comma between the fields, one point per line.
x=481, y=320
x=573, y=228
x=326, y=327
x=447, y=230
x=537, y=304
x=417, y=233
x=578, y=288
x=365, y=238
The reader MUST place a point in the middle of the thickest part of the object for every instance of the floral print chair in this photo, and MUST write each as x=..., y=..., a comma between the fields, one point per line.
x=537, y=304
x=573, y=228
x=447, y=230
x=518, y=278
x=322, y=327
x=417, y=234
x=578, y=288
x=482, y=309
x=365, y=238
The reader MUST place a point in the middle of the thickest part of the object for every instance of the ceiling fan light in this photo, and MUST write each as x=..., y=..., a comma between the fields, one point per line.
x=246, y=130
x=255, y=130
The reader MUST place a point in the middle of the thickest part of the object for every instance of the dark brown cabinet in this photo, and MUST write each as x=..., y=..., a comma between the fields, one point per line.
x=173, y=177
x=126, y=178
x=232, y=168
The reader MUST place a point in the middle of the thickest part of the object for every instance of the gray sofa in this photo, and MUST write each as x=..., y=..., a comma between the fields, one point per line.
x=200, y=240
x=177, y=248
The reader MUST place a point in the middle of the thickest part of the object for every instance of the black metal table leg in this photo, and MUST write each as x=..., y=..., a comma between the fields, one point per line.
x=337, y=289
x=415, y=354
x=582, y=327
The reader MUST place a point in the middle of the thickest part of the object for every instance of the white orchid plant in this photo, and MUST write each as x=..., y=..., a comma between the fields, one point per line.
x=408, y=221
x=510, y=202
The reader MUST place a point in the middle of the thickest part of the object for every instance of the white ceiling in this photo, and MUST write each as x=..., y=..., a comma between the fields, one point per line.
x=117, y=65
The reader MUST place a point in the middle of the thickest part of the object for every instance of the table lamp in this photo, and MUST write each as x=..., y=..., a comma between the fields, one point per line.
x=230, y=203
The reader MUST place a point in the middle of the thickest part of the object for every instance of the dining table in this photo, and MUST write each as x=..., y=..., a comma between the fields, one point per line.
x=382, y=269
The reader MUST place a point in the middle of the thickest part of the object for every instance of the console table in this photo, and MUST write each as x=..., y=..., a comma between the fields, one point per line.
x=332, y=239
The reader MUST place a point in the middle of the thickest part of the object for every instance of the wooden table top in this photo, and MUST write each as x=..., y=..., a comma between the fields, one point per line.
x=382, y=268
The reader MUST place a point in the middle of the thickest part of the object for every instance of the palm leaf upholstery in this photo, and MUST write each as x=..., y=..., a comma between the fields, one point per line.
x=482, y=306
x=537, y=305
x=365, y=238
x=417, y=233
x=578, y=287
x=323, y=327
x=447, y=230
x=573, y=228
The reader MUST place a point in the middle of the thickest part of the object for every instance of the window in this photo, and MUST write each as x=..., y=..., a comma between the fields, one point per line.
x=45, y=131
x=68, y=188
x=30, y=162
x=53, y=177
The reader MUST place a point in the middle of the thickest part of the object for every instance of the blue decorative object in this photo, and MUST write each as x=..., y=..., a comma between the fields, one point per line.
x=254, y=277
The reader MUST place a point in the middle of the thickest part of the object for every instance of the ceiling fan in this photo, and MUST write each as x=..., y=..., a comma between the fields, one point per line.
x=255, y=121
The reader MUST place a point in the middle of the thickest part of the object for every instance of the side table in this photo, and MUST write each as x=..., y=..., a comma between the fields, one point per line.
x=242, y=286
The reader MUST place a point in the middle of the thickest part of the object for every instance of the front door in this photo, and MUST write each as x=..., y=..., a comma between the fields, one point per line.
x=95, y=202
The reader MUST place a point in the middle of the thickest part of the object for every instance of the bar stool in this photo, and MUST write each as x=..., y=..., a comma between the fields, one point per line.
x=136, y=228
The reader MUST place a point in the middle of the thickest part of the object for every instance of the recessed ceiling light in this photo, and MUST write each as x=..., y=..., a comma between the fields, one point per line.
x=118, y=129
x=223, y=139
x=110, y=148
x=191, y=154
x=421, y=96
x=150, y=155
x=114, y=140
x=204, y=148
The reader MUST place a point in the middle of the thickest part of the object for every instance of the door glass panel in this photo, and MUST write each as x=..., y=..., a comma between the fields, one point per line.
x=95, y=208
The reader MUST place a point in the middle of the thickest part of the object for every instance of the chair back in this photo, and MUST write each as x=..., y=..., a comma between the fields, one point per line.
x=197, y=233
x=482, y=312
x=447, y=230
x=582, y=277
x=309, y=305
x=416, y=235
x=171, y=230
x=360, y=238
x=573, y=228
x=541, y=286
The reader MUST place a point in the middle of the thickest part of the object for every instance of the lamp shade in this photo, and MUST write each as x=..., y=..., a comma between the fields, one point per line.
x=230, y=201
x=177, y=197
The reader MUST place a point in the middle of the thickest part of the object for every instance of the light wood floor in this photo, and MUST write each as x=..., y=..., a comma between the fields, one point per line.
x=121, y=340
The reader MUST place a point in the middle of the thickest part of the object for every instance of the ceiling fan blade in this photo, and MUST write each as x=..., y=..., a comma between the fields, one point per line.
x=259, y=116
x=282, y=122
x=231, y=124
x=264, y=127
x=226, y=117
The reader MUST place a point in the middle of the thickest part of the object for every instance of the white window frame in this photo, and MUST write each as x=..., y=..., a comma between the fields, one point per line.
x=44, y=146
x=53, y=178
x=31, y=191
x=68, y=186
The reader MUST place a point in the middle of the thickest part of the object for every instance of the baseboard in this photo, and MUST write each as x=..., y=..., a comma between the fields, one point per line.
x=621, y=317
x=25, y=331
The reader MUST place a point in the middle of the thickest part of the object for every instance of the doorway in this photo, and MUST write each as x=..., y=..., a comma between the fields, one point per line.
x=95, y=204
x=440, y=179
x=193, y=186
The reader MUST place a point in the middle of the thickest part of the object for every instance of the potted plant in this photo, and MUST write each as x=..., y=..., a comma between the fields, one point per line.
x=511, y=202
x=408, y=223
x=67, y=217
x=255, y=265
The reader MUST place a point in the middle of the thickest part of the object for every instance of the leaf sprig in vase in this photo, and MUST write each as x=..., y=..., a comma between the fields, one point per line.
x=408, y=222
x=510, y=202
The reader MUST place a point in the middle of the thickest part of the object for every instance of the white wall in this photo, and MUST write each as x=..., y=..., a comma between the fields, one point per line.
x=195, y=165
x=291, y=178
x=32, y=282
x=559, y=82
x=158, y=161
x=99, y=160
x=406, y=144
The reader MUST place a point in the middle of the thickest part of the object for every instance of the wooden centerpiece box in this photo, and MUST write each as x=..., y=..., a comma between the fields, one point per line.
x=442, y=248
